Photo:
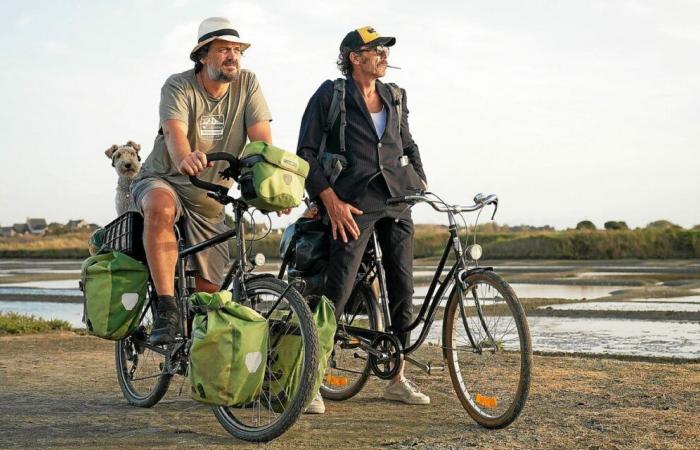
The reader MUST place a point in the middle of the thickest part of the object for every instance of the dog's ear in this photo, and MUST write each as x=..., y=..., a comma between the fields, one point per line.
x=134, y=145
x=110, y=151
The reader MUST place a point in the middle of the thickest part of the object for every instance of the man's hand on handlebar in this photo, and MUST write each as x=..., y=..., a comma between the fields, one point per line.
x=340, y=213
x=194, y=163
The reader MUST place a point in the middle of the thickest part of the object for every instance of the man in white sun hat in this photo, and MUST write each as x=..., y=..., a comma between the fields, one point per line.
x=214, y=107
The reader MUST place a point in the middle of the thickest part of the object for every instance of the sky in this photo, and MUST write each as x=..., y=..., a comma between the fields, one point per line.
x=568, y=110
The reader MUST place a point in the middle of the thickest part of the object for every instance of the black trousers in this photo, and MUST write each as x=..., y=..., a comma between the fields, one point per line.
x=395, y=236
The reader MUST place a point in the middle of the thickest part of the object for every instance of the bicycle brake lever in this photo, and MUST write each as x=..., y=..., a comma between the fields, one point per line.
x=495, y=208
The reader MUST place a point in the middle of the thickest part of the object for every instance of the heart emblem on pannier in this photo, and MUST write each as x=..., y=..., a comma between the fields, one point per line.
x=252, y=361
x=287, y=179
x=129, y=300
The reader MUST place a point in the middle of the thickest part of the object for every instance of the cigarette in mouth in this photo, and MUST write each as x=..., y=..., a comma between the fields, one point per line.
x=393, y=67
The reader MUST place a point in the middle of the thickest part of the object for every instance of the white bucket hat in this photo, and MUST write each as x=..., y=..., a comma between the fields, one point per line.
x=216, y=28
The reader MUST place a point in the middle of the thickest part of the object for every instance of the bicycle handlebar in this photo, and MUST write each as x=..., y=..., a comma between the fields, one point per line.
x=480, y=200
x=230, y=172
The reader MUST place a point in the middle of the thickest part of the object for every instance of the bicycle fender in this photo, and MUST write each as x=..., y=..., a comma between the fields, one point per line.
x=479, y=270
x=260, y=275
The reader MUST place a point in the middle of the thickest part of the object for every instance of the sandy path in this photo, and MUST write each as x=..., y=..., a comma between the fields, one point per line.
x=59, y=390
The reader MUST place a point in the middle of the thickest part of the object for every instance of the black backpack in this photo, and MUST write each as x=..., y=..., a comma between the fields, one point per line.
x=334, y=163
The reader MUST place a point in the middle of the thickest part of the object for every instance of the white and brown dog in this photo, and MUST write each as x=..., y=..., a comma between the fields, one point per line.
x=127, y=162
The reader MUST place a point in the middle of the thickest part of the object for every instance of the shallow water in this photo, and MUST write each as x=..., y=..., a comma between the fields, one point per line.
x=527, y=290
x=44, y=284
x=616, y=336
x=626, y=306
x=609, y=336
x=70, y=312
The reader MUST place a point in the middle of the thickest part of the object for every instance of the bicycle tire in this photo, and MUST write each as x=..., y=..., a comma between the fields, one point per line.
x=226, y=416
x=493, y=396
x=127, y=354
x=363, y=301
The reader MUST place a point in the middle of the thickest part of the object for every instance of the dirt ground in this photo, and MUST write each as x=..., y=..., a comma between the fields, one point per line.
x=59, y=390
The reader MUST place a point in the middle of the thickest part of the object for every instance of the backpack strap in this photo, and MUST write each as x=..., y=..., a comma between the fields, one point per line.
x=337, y=108
x=397, y=99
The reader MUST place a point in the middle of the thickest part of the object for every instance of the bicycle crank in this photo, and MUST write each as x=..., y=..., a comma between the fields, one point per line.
x=387, y=357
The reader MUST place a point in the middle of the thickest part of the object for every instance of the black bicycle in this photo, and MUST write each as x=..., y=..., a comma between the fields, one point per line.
x=485, y=335
x=145, y=371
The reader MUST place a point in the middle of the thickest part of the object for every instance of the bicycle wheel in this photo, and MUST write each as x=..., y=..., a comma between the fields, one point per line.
x=139, y=368
x=348, y=367
x=277, y=408
x=486, y=344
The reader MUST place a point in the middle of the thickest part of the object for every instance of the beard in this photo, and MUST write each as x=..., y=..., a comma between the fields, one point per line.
x=376, y=69
x=216, y=74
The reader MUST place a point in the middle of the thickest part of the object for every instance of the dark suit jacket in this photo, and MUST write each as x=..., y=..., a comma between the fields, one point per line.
x=368, y=155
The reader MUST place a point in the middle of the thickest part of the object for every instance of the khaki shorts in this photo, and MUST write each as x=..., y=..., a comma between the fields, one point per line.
x=210, y=263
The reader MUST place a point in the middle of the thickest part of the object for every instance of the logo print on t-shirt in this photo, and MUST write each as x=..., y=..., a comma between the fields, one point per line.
x=212, y=127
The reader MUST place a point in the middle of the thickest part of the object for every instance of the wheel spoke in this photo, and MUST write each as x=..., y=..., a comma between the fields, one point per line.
x=281, y=399
x=491, y=380
x=349, y=366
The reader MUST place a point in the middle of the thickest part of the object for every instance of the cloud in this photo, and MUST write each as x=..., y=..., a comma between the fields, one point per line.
x=181, y=38
x=57, y=48
x=691, y=34
x=23, y=20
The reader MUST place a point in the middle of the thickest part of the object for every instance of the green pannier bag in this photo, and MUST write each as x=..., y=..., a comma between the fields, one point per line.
x=114, y=292
x=228, y=356
x=271, y=179
x=286, y=360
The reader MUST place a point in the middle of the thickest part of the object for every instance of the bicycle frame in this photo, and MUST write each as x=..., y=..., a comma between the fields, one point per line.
x=185, y=284
x=436, y=290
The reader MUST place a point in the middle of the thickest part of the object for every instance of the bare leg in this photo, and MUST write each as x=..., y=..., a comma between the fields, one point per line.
x=159, y=210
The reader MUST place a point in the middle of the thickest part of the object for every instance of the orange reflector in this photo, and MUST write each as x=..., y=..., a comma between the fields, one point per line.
x=336, y=380
x=485, y=401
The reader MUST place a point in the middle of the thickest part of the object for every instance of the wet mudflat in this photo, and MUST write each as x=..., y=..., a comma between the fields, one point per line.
x=60, y=391
x=643, y=308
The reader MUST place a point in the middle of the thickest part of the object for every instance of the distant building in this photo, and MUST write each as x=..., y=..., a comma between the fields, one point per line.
x=21, y=228
x=7, y=231
x=36, y=226
x=74, y=225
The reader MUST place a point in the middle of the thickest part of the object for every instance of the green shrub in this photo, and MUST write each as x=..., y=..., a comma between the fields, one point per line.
x=13, y=323
x=663, y=224
x=616, y=225
x=585, y=225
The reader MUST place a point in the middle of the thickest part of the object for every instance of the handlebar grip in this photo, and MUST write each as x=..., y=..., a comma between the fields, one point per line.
x=232, y=170
x=395, y=200
x=223, y=156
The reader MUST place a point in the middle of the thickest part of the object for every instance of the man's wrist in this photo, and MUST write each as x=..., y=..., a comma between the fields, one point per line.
x=327, y=196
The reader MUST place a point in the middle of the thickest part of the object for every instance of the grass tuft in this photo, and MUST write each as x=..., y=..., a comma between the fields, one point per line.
x=14, y=323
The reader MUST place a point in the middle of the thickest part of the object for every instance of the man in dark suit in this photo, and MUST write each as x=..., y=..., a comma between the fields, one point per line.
x=382, y=162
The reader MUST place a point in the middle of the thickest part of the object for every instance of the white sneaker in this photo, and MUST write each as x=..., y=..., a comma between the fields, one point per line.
x=316, y=406
x=407, y=392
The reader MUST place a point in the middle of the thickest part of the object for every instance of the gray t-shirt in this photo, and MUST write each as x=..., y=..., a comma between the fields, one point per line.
x=213, y=125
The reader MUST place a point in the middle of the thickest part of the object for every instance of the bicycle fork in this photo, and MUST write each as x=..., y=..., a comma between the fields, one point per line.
x=464, y=290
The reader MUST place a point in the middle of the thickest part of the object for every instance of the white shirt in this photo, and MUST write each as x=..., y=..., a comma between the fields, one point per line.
x=379, y=120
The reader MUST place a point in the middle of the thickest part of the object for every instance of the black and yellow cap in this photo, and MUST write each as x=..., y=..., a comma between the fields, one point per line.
x=366, y=36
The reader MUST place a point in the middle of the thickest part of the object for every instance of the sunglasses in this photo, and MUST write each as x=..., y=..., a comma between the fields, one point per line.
x=378, y=50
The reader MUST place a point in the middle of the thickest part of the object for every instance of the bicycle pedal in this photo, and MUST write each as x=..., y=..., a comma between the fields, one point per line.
x=427, y=368
x=432, y=367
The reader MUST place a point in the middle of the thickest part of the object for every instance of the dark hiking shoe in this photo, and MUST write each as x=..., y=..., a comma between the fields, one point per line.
x=165, y=327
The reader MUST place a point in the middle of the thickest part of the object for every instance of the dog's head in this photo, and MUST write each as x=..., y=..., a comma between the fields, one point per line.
x=125, y=158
